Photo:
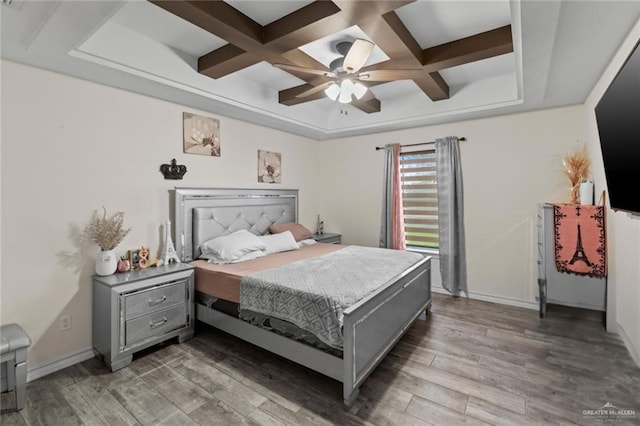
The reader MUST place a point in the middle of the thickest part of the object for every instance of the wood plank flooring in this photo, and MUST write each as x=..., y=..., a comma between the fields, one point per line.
x=469, y=362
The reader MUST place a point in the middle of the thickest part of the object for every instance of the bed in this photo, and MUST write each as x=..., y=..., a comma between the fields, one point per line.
x=370, y=327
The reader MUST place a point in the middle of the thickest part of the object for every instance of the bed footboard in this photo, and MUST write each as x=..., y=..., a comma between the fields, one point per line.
x=376, y=323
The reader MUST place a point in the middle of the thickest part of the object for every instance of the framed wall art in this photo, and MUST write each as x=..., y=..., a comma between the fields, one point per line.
x=269, y=167
x=201, y=135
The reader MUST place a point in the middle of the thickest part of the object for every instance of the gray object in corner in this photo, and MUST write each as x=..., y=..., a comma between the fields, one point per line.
x=14, y=346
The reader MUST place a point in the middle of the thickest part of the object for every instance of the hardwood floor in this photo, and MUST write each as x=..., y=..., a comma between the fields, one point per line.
x=470, y=362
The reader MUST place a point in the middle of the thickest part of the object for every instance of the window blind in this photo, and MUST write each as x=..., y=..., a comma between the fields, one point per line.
x=420, y=198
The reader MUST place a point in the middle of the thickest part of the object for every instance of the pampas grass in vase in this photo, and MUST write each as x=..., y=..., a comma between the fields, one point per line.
x=107, y=232
x=576, y=167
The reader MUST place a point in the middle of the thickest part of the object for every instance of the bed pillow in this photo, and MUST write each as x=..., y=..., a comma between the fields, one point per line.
x=232, y=247
x=212, y=258
x=307, y=242
x=299, y=232
x=277, y=243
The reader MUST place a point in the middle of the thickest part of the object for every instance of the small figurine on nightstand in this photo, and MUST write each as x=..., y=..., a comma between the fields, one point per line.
x=143, y=257
x=169, y=250
x=124, y=265
x=319, y=226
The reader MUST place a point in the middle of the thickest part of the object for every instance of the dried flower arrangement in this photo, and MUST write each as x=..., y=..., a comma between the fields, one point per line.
x=576, y=167
x=107, y=232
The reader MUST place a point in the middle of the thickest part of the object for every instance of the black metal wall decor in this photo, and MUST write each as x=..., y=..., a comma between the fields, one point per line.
x=173, y=171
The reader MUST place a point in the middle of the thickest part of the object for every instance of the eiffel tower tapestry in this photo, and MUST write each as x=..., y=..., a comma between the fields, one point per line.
x=580, y=239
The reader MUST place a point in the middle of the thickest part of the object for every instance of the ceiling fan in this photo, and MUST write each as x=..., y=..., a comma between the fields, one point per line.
x=346, y=75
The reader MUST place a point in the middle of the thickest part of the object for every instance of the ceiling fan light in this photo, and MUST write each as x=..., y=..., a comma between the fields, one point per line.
x=359, y=90
x=332, y=91
x=344, y=97
x=346, y=90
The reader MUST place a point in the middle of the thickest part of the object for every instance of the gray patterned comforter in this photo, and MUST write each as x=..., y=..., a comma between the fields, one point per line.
x=313, y=293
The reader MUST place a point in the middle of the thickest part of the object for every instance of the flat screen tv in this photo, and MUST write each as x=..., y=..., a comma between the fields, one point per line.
x=618, y=117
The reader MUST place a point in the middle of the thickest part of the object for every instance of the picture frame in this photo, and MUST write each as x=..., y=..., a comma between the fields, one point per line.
x=134, y=257
x=200, y=135
x=269, y=167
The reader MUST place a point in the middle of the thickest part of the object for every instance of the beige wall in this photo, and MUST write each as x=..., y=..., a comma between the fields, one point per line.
x=510, y=164
x=70, y=146
x=623, y=229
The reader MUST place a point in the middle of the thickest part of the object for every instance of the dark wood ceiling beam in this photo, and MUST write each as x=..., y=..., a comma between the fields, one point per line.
x=401, y=43
x=303, y=26
x=218, y=18
x=469, y=49
x=222, y=20
x=224, y=61
x=369, y=106
x=278, y=42
x=395, y=40
x=434, y=86
x=284, y=36
x=289, y=96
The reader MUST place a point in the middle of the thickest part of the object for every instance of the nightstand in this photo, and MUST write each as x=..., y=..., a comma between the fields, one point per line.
x=138, y=309
x=328, y=238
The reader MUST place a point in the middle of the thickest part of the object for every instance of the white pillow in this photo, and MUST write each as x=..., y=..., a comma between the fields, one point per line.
x=232, y=247
x=307, y=242
x=212, y=258
x=277, y=243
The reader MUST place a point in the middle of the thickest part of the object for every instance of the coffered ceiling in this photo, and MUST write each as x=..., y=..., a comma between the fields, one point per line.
x=465, y=59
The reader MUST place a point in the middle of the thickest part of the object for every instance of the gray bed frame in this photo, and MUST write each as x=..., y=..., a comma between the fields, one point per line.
x=371, y=327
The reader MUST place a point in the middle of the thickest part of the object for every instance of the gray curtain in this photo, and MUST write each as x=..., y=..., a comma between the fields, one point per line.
x=453, y=262
x=386, y=227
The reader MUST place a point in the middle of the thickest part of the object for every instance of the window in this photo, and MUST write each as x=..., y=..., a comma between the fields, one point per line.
x=420, y=198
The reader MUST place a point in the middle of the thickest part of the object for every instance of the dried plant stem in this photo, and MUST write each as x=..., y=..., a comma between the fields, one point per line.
x=107, y=232
x=576, y=167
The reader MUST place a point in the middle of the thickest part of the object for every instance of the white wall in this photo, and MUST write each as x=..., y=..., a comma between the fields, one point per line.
x=70, y=146
x=623, y=229
x=510, y=164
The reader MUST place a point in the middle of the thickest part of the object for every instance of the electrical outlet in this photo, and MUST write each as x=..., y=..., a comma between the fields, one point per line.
x=65, y=322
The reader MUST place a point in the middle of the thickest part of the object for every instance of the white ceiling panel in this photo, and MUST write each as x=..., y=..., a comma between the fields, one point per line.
x=437, y=22
x=266, y=11
x=157, y=24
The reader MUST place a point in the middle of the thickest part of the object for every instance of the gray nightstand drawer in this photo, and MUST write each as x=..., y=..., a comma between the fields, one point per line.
x=155, y=324
x=145, y=302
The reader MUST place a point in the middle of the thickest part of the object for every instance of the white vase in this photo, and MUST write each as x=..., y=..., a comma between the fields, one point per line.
x=106, y=263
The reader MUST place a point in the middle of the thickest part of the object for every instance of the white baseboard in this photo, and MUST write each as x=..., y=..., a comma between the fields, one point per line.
x=60, y=364
x=495, y=299
x=627, y=342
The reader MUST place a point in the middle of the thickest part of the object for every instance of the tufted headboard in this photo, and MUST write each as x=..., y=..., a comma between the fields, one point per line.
x=200, y=214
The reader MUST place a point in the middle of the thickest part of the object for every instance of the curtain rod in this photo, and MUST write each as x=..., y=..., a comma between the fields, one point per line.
x=462, y=139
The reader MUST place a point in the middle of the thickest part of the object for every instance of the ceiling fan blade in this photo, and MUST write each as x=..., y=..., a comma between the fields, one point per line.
x=304, y=70
x=315, y=89
x=357, y=55
x=368, y=95
x=390, y=75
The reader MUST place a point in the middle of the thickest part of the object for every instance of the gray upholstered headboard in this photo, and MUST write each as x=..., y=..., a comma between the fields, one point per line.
x=200, y=214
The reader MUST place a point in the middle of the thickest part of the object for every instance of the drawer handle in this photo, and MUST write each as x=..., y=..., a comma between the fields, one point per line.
x=157, y=301
x=157, y=323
